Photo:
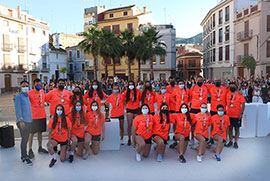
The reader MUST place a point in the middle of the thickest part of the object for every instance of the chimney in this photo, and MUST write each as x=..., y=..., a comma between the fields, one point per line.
x=144, y=9
x=19, y=12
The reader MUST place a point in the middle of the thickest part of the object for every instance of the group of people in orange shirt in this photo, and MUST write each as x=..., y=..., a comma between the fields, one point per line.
x=76, y=119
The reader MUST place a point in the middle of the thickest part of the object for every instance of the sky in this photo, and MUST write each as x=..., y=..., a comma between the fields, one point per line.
x=67, y=15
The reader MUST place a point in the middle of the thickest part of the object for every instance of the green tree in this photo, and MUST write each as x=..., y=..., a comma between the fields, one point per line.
x=91, y=45
x=250, y=63
x=63, y=70
x=117, y=51
x=154, y=46
x=127, y=38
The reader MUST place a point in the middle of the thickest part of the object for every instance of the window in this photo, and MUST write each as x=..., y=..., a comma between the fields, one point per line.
x=78, y=53
x=227, y=13
x=192, y=63
x=220, y=36
x=125, y=13
x=214, y=20
x=220, y=54
x=107, y=28
x=21, y=59
x=268, y=23
x=111, y=15
x=162, y=60
x=7, y=60
x=82, y=66
x=214, y=37
x=70, y=55
x=246, y=49
x=227, y=52
x=5, y=23
x=162, y=76
x=130, y=26
x=117, y=60
x=143, y=61
x=56, y=55
x=108, y=60
x=154, y=60
x=43, y=33
x=144, y=77
x=227, y=33
x=214, y=55
x=33, y=30
x=116, y=29
x=220, y=18
x=70, y=67
x=20, y=27
x=268, y=48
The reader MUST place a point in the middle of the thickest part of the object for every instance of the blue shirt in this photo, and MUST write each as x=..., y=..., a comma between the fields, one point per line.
x=23, y=108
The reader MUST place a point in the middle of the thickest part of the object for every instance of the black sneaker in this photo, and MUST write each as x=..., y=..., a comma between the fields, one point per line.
x=55, y=149
x=172, y=146
x=59, y=152
x=27, y=161
x=129, y=142
x=53, y=161
x=211, y=141
x=31, y=154
x=229, y=144
x=42, y=150
x=71, y=157
x=235, y=145
x=182, y=159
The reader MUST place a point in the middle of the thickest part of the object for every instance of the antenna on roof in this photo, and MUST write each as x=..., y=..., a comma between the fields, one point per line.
x=25, y=7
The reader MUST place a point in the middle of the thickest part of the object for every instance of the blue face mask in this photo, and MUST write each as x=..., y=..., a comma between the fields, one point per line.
x=25, y=89
x=78, y=108
x=163, y=91
x=220, y=113
x=59, y=112
x=38, y=87
x=204, y=110
x=145, y=111
x=181, y=86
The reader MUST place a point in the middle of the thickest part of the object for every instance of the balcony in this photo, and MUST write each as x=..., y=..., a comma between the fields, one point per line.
x=21, y=48
x=239, y=58
x=244, y=35
x=44, y=52
x=7, y=47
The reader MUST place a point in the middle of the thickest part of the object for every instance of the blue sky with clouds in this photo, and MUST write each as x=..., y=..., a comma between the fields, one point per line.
x=67, y=15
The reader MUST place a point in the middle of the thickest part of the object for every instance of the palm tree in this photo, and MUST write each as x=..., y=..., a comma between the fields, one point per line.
x=117, y=51
x=154, y=46
x=91, y=45
x=127, y=38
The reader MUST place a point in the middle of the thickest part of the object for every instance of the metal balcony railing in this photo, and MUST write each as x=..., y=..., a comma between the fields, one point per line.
x=21, y=48
x=239, y=58
x=6, y=47
x=244, y=35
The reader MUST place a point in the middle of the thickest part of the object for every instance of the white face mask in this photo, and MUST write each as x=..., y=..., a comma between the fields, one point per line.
x=95, y=87
x=131, y=87
x=145, y=111
x=184, y=110
x=181, y=86
x=204, y=110
x=94, y=108
x=220, y=113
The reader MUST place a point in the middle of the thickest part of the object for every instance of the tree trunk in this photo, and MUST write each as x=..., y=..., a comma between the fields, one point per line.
x=129, y=69
x=139, y=70
x=151, y=69
x=114, y=74
x=95, y=68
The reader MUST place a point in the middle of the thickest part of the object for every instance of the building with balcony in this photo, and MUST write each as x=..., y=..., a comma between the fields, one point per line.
x=76, y=64
x=252, y=34
x=21, y=55
x=64, y=40
x=117, y=20
x=165, y=66
x=219, y=38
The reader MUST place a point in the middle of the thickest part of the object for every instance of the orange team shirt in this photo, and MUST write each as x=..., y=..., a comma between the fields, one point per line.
x=182, y=124
x=238, y=100
x=163, y=129
x=133, y=104
x=217, y=92
x=140, y=122
x=181, y=96
x=37, y=100
x=87, y=100
x=200, y=128
x=117, y=102
x=54, y=97
x=150, y=99
x=160, y=98
x=55, y=132
x=94, y=123
x=77, y=128
x=216, y=121
x=172, y=104
x=195, y=94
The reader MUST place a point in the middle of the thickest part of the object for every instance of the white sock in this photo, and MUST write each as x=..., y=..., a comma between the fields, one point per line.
x=53, y=156
x=71, y=153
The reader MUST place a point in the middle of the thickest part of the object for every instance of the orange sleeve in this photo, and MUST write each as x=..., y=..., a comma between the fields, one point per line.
x=48, y=97
x=108, y=99
x=242, y=99
x=135, y=122
x=50, y=123
x=69, y=124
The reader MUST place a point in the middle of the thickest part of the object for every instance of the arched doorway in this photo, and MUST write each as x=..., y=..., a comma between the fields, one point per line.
x=8, y=83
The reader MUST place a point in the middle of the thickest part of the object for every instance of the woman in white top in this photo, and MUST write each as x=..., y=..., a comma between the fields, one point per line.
x=256, y=94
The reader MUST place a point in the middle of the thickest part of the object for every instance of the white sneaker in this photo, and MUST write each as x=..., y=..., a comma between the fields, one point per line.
x=122, y=142
x=199, y=158
x=191, y=142
x=138, y=157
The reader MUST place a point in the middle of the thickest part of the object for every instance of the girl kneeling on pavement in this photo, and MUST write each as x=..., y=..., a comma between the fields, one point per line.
x=161, y=127
x=142, y=132
x=78, y=119
x=59, y=133
x=220, y=124
x=94, y=129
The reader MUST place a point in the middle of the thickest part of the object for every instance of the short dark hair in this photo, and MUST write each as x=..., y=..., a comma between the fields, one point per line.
x=171, y=77
x=37, y=80
x=220, y=106
x=24, y=81
x=60, y=80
